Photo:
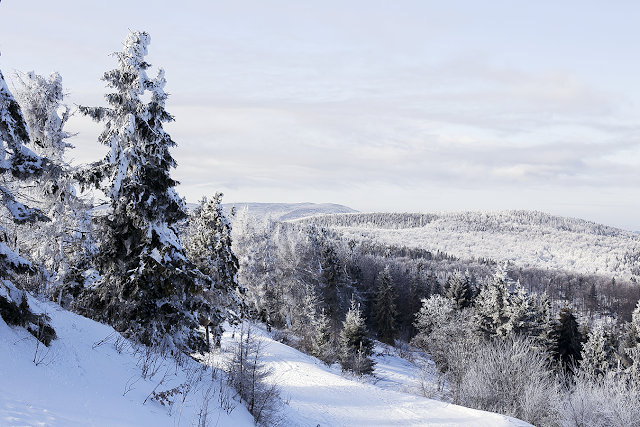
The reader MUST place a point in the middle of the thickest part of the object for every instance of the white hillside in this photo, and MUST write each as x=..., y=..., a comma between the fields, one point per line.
x=527, y=238
x=288, y=211
x=84, y=381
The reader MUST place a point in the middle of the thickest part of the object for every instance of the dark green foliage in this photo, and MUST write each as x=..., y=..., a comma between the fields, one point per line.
x=21, y=315
x=460, y=290
x=568, y=338
x=385, y=308
x=149, y=290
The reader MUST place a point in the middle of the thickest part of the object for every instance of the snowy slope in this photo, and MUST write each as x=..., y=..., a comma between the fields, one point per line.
x=319, y=395
x=77, y=385
x=84, y=380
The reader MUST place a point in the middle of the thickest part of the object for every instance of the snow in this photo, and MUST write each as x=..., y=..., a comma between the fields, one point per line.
x=321, y=395
x=78, y=384
x=83, y=380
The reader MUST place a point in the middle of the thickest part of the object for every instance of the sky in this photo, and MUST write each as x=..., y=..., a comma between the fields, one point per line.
x=405, y=106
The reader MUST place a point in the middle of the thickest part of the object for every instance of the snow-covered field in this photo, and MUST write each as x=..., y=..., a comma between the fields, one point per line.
x=80, y=381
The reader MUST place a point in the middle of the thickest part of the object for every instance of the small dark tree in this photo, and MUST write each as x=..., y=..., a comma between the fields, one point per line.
x=459, y=290
x=149, y=290
x=569, y=338
x=385, y=308
x=356, y=348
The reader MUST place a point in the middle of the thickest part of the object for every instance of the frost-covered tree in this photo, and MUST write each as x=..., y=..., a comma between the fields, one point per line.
x=447, y=335
x=385, y=307
x=491, y=306
x=460, y=290
x=323, y=344
x=149, y=290
x=355, y=347
x=17, y=162
x=596, y=354
x=63, y=245
x=208, y=245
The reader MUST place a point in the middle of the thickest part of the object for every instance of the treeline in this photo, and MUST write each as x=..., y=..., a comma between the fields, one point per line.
x=508, y=220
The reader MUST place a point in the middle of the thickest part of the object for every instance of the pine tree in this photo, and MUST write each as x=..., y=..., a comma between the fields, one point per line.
x=208, y=245
x=149, y=290
x=64, y=245
x=569, y=338
x=355, y=346
x=491, y=306
x=17, y=162
x=459, y=290
x=596, y=354
x=323, y=343
x=385, y=308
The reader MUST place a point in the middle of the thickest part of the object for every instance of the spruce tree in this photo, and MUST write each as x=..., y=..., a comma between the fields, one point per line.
x=459, y=290
x=17, y=162
x=149, y=290
x=62, y=247
x=355, y=347
x=596, y=354
x=569, y=338
x=385, y=308
x=208, y=245
x=491, y=306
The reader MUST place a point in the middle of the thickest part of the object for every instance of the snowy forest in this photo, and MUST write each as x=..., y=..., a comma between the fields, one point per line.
x=554, y=344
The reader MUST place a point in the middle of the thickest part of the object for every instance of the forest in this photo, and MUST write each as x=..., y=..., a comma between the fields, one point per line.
x=551, y=346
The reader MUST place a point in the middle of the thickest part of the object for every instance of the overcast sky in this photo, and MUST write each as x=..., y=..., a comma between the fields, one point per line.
x=378, y=105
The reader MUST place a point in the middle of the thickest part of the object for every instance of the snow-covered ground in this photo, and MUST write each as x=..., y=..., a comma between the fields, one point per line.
x=83, y=380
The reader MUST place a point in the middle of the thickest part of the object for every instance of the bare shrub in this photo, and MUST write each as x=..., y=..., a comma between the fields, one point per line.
x=509, y=377
x=247, y=374
x=610, y=402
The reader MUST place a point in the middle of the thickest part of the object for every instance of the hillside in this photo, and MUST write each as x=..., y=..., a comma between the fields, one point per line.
x=90, y=378
x=288, y=211
x=526, y=238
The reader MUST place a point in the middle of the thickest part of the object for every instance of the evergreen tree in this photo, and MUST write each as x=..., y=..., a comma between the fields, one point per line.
x=208, y=245
x=149, y=290
x=596, y=354
x=569, y=338
x=355, y=346
x=63, y=246
x=459, y=290
x=522, y=313
x=17, y=162
x=323, y=343
x=491, y=306
x=385, y=308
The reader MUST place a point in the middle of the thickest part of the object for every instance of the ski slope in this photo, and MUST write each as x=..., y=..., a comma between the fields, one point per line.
x=84, y=380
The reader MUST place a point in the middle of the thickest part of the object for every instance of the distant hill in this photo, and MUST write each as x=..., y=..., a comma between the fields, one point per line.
x=526, y=238
x=289, y=211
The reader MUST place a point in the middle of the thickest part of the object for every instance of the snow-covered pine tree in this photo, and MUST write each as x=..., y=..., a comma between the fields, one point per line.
x=459, y=290
x=355, y=347
x=149, y=290
x=17, y=162
x=385, y=308
x=208, y=245
x=64, y=245
x=596, y=354
x=490, y=306
x=323, y=345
